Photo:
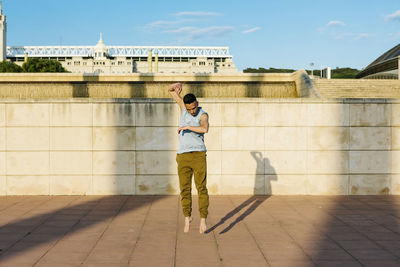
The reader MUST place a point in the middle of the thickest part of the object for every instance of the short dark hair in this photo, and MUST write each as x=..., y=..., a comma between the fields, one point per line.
x=189, y=98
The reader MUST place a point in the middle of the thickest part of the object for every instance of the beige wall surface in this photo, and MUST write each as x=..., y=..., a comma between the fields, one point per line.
x=255, y=146
x=146, y=85
x=358, y=88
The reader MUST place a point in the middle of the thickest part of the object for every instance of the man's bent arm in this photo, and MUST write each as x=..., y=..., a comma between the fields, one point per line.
x=203, y=128
x=175, y=90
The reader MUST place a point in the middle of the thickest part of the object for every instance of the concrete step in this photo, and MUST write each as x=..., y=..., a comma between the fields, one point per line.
x=347, y=88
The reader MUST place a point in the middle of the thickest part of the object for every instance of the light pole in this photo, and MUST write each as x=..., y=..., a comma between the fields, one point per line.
x=312, y=69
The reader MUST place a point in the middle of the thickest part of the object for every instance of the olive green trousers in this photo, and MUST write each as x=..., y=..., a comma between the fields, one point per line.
x=193, y=164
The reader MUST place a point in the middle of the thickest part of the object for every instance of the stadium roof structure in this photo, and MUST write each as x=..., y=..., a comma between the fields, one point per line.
x=115, y=51
x=385, y=66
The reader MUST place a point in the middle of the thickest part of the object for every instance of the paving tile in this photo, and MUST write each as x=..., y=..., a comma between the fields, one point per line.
x=338, y=263
x=281, y=231
x=291, y=263
x=381, y=263
x=22, y=246
x=372, y=254
x=116, y=253
x=58, y=264
x=64, y=257
x=389, y=244
x=331, y=255
x=352, y=236
x=73, y=246
x=141, y=258
x=109, y=264
x=318, y=245
x=290, y=254
x=355, y=245
x=19, y=257
x=383, y=236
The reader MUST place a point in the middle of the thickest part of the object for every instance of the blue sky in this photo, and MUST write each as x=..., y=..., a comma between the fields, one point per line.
x=260, y=33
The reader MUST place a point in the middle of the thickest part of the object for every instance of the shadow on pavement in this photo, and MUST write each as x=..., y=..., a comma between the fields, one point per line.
x=256, y=200
x=69, y=221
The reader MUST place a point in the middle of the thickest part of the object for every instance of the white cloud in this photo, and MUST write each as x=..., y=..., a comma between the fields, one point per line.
x=251, y=30
x=335, y=23
x=185, y=25
x=359, y=36
x=181, y=18
x=166, y=23
x=352, y=36
x=196, y=14
x=393, y=16
x=189, y=34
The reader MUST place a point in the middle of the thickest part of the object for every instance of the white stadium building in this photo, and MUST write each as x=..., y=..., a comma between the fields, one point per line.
x=123, y=59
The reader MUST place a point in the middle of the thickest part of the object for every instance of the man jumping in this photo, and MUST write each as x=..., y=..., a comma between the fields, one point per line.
x=191, y=157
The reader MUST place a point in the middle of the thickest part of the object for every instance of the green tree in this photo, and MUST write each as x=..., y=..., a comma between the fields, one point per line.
x=7, y=66
x=42, y=65
x=338, y=73
x=270, y=70
x=344, y=73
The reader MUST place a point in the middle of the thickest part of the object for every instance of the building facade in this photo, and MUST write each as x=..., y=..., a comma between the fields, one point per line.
x=387, y=66
x=102, y=59
x=3, y=35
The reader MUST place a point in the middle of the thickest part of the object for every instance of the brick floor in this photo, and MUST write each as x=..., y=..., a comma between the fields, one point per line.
x=242, y=231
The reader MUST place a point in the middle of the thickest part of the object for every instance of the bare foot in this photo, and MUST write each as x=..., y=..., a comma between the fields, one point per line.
x=186, y=228
x=203, y=226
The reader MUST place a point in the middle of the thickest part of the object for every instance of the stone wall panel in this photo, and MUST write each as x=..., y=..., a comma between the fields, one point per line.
x=35, y=114
x=70, y=185
x=285, y=138
x=70, y=114
x=150, y=114
x=115, y=138
x=242, y=114
x=242, y=185
x=157, y=185
x=28, y=185
x=328, y=138
x=367, y=184
x=113, y=162
x=370, y=138
x=328, y=162
x=328, y=114
x=114, y=185
x=285, y=162
x=286, y=184
x=242, y=138
x=285, y=114
x=370, y=162
x=71, y=162
x=2, y=115
x=370, y=114
x=107, y=114
x=2, y=138
x=27, y=163
x=156, y=162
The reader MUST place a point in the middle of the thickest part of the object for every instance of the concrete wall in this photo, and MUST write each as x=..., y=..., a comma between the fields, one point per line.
x=358, y=88
x=68, y=85
x=256, y=146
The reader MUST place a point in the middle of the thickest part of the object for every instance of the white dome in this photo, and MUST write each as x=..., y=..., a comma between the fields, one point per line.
x=101, y=44
x=100, y=50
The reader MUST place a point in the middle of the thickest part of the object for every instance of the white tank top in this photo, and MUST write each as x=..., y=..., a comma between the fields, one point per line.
x=191, y=141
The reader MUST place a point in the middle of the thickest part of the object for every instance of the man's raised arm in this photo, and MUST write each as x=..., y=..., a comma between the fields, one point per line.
x=175, y=92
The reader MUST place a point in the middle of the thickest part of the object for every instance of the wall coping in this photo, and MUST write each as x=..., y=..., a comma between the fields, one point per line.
x=208, y=100
x=145, y=77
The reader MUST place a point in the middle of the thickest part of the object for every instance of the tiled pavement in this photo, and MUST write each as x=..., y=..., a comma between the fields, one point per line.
x=243, y=231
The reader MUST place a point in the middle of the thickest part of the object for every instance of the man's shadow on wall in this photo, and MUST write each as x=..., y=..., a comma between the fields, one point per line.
x=263, y=167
